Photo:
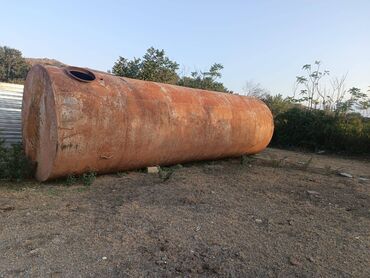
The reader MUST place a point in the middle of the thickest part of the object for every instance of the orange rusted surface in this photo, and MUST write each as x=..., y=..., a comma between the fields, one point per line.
x=111, y=123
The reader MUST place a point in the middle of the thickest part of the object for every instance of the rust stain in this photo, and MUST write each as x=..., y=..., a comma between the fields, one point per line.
x=106, y=123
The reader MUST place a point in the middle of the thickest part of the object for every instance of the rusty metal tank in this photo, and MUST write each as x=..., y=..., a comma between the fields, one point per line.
x=76, y=120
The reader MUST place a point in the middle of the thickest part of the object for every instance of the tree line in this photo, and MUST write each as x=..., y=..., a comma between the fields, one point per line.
x=13, y=67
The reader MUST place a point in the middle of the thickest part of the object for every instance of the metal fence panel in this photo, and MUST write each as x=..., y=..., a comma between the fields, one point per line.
x=10, y=113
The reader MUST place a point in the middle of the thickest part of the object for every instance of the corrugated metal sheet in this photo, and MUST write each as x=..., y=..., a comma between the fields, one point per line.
x=10, y=112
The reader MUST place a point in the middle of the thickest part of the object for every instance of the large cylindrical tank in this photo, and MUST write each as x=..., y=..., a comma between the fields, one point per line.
x=77, y=120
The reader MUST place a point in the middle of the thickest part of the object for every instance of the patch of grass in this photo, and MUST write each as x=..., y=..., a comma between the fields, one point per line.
x=52, y=191
x=165, y=172
x=177, y=166
x=246, y=159
x=19, y=186
x=71, y=179
x=88, y=178
x=82, y=189
x=140, y=170
x=121, y=174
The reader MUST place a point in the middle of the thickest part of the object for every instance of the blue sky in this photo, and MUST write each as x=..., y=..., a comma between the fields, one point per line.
x=264, y=41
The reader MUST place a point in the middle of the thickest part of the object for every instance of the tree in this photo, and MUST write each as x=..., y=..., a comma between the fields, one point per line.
x=127, y=68
x=312, y=91
x=328, y=94
x=13, y=67
x=254, y=89
x=205, y=80
x=153, y=66
x=278, y=104
x=357, y=100
x=156, y=66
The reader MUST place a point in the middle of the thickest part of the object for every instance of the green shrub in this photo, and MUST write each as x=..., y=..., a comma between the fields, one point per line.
x=317, y=129
x=13, y=163
x=88, y=178
x=71, y=179
x=166, y=172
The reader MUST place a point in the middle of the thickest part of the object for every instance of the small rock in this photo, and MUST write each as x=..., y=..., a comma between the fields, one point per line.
x=258, y=221
x=35, y=251
x=294, y=261
x=56, y=240
x=344, y=174
x=312, y=192
x=312, y=260
x=241, y=255
x=162, y=261
x=28, y=243
x=153, y=170
x=73, y=208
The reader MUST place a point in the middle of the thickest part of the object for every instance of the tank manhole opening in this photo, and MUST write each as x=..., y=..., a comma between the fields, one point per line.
x=80, y=74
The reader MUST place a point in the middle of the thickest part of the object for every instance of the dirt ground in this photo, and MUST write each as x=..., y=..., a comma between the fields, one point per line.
x=277, y=214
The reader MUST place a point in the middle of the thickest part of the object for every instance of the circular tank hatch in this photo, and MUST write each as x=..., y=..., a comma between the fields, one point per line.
x=80, y=74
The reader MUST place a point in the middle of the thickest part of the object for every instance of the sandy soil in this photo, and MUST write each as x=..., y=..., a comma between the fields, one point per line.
x=279, y=214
